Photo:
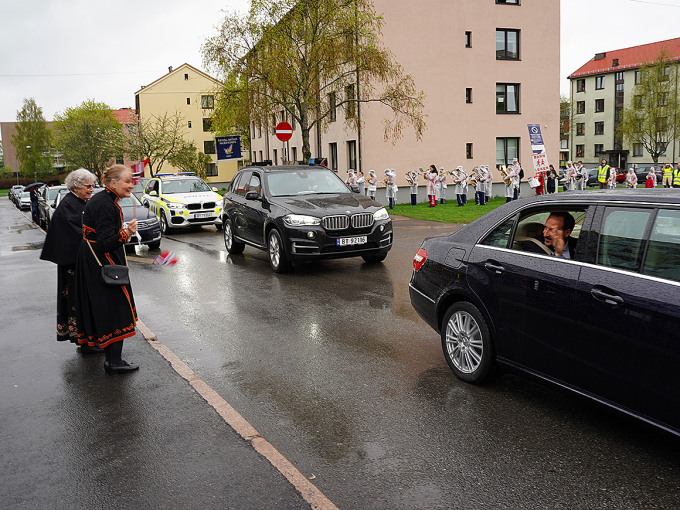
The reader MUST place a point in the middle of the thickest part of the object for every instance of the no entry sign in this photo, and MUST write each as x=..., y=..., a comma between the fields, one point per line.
x=283, y=131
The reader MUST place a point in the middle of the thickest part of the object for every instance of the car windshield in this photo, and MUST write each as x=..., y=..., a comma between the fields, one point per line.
x=303, y=182
x=139, y=187
x=129, y=201
x=188, y=185
x=52, y=193
x=25, y=194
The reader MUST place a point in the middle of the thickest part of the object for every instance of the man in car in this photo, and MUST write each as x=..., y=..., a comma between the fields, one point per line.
x=556, y=236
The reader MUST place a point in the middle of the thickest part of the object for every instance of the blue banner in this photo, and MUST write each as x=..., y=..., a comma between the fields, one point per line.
x=536, y=138
x=228, y=147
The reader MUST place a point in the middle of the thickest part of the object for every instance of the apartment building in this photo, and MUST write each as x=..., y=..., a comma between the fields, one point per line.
x=488, y=68
x=599, y=90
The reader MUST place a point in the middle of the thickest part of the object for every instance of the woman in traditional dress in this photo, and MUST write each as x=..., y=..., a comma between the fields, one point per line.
x=61, y=247
x=106, y=314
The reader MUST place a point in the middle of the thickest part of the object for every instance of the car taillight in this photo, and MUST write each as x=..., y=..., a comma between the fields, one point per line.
x=419, y=259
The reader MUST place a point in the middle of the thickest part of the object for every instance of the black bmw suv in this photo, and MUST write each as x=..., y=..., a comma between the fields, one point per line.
x=302, y=213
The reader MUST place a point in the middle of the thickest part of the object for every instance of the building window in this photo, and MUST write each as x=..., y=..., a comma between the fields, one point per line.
x=331, y=107
x=207, y=102
x=581, y=85
x=638, y=77
x=507, y=44
x=189, y=123
x=507, y=98
x=211, y=169
x=580, y=129
x=261, y=160
x=619, y=77
x=333, y=149
x=351, y=105
x=259, y=132
x=564, y=144
x=209, y=146
x=276, y=158
x=599, y=82
x=294, y=151
x=468, y=150
x=188, y=100
x=468, y=95
x=599, y=105
x=508, y=2
x=579, y=151
x=468, y=39
x=599, y=149
x=506, y=150
x=186, y=77
x=580, y=107
x=599, y=128
x=666, y=74
x=662, y=99
x=207, y=124
x=637, y=150
x=352, y=154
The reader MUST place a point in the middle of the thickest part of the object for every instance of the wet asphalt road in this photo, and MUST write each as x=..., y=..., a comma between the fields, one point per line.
x=331, y=365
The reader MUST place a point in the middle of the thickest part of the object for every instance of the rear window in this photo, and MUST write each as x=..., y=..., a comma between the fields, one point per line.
x=621, y=241
x=663, y=253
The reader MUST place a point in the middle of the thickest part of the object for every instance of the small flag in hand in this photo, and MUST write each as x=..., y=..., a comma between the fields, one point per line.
x=166, y=258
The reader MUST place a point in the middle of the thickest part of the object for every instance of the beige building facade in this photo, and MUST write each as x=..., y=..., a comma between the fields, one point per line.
x=191, y=93
x=488, y=68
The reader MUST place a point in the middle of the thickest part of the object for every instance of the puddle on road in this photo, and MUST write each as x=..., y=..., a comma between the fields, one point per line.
x=20, y=228
x=29, y=246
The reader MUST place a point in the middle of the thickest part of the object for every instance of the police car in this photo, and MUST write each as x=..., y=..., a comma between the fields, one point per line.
x=181, y=200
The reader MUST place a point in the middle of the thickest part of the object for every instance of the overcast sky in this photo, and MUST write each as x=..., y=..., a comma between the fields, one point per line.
x=62, y=52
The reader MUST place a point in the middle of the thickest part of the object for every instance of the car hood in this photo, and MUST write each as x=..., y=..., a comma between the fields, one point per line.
x=325, y=204
x=140, y=212
x=188, y=198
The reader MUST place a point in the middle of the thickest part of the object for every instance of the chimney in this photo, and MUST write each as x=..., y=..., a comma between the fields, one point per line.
x=600, y=56
x=170, y=69
x=615, y=62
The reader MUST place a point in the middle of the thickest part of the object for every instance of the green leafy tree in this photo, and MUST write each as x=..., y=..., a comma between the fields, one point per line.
x=565, y=113
x=32, y=141
x=310, y=58
x=229, y=117
x=88, y=136
x=190, y=159
x=2, y=156
x=652, y=118
x=160, y=139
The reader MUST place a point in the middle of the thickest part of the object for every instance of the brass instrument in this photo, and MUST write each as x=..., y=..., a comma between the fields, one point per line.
x=629, y=184
x=504, y=174
x=409, y=179
x=475, y=177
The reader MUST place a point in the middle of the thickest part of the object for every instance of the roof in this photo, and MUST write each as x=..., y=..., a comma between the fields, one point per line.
x=628, y=58
x=175, y=71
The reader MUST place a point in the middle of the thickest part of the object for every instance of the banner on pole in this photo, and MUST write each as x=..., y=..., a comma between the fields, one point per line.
x=228, y=147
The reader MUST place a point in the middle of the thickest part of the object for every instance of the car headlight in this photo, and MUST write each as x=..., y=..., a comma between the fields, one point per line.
x=175, y=205
x=381, y=214
x=297, y=220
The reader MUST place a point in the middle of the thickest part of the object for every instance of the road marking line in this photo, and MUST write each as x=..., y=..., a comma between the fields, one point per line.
x=307, y=490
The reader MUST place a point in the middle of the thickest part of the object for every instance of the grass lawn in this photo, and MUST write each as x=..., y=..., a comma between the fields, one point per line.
x=4, y=192
x=448, y=212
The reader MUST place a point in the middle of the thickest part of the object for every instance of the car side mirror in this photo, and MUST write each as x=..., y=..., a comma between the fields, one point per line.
x=153, y=194
x=214, y=189
x=354, y=188
x=252, y=195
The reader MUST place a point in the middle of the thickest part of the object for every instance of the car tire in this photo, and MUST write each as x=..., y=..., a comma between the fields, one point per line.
x=466, y=343
x=154, y=245
x=166, y=229
x=277, y=252
x=374, y=259
x=232, y=245
x=218, y=226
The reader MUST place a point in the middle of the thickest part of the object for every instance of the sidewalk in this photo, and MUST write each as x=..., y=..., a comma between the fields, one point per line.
x=73, y=437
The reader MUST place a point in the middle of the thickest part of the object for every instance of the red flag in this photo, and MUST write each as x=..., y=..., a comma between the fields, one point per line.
x=138, y=170
x=166, y=258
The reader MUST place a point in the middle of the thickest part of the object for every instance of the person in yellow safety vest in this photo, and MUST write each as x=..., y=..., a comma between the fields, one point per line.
x=603, y=174
x=667, y=175
x=676, y=177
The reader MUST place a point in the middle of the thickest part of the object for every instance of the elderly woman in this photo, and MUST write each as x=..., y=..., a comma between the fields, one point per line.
x=106, y=314
x=61, y=247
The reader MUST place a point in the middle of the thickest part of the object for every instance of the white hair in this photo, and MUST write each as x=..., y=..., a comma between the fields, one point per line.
x=79, y=177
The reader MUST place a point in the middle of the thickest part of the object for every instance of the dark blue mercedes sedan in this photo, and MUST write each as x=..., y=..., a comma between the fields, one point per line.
x=579, y=290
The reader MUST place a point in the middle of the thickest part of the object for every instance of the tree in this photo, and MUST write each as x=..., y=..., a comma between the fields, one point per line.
x=2, y=156
x=88, y=136
x=159, y=139
x=652, y=119
x=190, y=159
x=309, y=58
x=32, y=141
x=565, y=113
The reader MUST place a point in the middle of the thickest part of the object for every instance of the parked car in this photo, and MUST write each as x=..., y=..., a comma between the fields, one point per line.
x=47, y=204
x=138, y=190
x=604, y=324
x=14, y=193
x=642, y=171
x=592, y=177
x=182, y=200
x=24, y=201
x=301, y=213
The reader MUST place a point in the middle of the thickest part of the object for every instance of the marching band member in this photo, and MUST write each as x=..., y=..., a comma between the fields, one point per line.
x=437, y=188
x=512, y=190
x=360, y=182
x=351, y=178
x=413, y=183
x=650, y=182
x=485, y=184
x=570, y=175
x=583, y=171
x=443, y=186
x=372, y=184
x=464, y=185
x=611, y=184
x=390, y=183
x=431, y=176
x=631, y=178
x=458, y=181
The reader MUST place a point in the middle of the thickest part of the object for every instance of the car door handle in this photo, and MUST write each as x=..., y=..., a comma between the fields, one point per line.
x=610, y=299
x=497, y=268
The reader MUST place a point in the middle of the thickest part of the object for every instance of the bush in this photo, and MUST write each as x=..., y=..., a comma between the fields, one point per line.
x=7, y=182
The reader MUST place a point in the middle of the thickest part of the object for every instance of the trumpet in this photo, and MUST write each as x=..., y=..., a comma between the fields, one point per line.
x=504, y=174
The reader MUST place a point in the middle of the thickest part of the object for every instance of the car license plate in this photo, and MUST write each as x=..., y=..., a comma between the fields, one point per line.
x=348, y=241
x=202, y=215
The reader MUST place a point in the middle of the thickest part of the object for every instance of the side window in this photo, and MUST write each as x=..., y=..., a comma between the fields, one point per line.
x=663, y=253
x=234, y=183
x=152, y=186
x=500, y=236
x=537, y=230
x=241, y=184
x=255, y=184
x=621, y=239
